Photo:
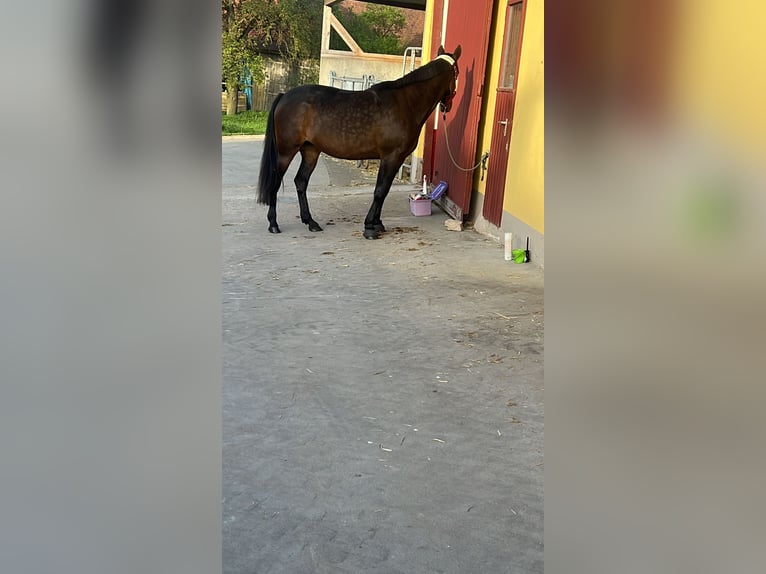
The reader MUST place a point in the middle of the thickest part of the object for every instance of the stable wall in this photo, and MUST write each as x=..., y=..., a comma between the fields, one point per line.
x=524, y=197
x=525, y=181
x=381, y=66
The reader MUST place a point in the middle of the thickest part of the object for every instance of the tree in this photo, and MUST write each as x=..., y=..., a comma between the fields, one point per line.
x=302, y=39
x=241, y=23
x=250, y=27
x=376, y=29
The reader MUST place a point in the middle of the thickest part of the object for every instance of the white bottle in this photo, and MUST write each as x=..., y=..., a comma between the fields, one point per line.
x=508, y=246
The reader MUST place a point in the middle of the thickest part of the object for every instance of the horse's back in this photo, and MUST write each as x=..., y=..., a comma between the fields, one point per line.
x=328, y=98
x=341, y=123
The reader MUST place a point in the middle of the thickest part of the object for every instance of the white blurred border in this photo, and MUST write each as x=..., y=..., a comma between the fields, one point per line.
x=110, y=250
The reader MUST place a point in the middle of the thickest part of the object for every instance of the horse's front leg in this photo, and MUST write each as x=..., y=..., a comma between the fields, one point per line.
x=373, y=226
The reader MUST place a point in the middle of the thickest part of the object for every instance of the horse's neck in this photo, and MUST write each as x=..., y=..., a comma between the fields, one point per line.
x=422, y=104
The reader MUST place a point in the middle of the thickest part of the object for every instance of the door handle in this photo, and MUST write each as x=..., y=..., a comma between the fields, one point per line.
x=504, y=123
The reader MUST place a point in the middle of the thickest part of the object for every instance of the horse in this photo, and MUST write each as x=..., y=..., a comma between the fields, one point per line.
x=382, y=122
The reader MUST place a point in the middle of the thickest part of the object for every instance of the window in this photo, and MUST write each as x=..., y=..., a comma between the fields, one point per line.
x=511, y=45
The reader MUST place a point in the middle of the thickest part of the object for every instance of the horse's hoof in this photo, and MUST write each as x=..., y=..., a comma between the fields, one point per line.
x=379, y=227
x=274, y=229
x=314, y=226
x=371, y=233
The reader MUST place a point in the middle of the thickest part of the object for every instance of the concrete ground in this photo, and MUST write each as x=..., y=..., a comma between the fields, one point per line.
x=382, y=400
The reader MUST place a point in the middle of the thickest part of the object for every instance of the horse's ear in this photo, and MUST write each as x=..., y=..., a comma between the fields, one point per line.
x=440, y=51
x=456, y=53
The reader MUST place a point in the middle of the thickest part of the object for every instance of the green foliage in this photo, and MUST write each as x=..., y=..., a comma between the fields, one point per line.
x=385, y=21
x=376, y=29
x=303, y=19
x=237, y=54
x=250, y=27
x=242, y=23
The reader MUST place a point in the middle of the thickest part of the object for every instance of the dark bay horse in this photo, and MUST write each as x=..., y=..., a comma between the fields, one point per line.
x=382, y=122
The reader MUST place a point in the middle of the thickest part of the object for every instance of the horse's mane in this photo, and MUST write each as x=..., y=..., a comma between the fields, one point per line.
x=430, y=70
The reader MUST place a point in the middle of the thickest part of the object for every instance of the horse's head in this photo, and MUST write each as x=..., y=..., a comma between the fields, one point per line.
x=446, y=102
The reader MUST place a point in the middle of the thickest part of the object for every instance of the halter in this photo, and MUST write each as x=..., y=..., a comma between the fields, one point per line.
x=448, y=99
x=446, y=57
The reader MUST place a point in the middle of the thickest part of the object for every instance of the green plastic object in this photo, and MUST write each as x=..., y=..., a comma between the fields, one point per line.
x=521, y=255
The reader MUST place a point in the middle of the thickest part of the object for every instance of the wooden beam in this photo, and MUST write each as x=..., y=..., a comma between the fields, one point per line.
x=345, y=36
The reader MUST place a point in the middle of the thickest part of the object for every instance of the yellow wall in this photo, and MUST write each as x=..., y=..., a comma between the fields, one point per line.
x=427, y=32
x=719, y=71
x=525, y=182
x=524, y=185
x=425, y=58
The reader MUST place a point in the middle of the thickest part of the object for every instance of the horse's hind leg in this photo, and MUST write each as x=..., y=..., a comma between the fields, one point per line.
x=283, y=162
x=309, y=157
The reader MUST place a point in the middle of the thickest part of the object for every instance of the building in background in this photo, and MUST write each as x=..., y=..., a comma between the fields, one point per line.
x=490, y=147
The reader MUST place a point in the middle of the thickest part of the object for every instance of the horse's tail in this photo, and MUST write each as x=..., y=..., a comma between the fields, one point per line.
x=269, y=179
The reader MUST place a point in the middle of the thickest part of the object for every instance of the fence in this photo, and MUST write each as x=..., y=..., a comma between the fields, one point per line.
x=241, y=100
x=280, y=77
x=351, y=83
